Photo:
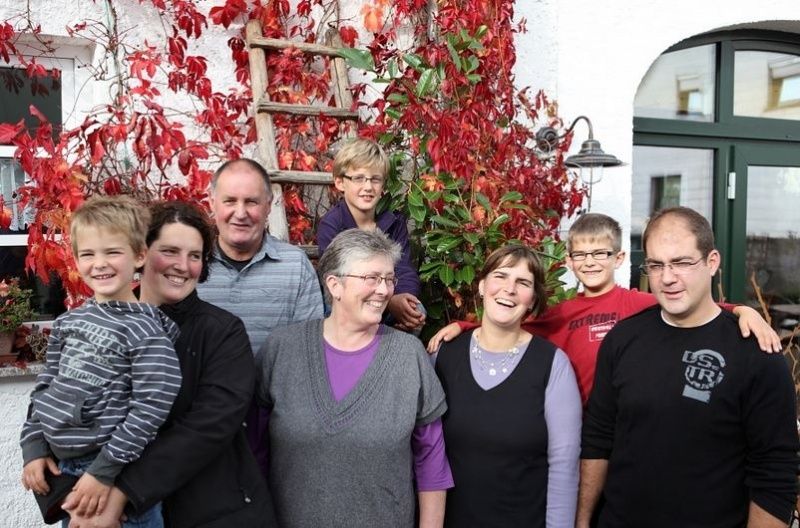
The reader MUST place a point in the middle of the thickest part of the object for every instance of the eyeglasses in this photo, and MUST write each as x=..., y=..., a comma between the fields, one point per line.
x=373, y=281
x=600, y=254
x=678, y=267
x=359, y=179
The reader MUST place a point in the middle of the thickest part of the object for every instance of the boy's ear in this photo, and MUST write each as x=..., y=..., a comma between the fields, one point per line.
x=619, y=259
x=139, y=258
x=338, y=182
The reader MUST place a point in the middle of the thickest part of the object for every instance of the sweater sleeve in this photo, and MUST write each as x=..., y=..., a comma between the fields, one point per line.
x=222, y=396
x=155, y=381
x=329, y=226
x=597, y=438
x=32, y=438
x=562, y=411
x=407, y=274
x=771, y=435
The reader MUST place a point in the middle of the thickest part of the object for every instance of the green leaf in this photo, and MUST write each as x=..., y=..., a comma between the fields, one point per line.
x=417, y=213
x=446, y=275
x=441, y=220
x=468, y=274
x=391, y=68
x=511, y=196
x=484, y=201
x=500, y=220
x=472, y=64
x=425, y=82
x=473, y=77
x=472, y=238
x=394, y=113
x=414, y=61
x=415, y=198
x=452, y=242
x=454, y=55
x=358, y=58
x=397, y=97
x=481, y=31
x=432, y=265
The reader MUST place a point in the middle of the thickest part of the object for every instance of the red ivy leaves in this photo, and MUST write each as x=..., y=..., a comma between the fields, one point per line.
x=225, y=14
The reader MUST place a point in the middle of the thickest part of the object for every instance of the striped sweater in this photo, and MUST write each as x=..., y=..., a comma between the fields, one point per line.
x=110, y=378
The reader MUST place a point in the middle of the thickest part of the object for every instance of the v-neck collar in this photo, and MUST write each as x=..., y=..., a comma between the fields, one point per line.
x=334, y=415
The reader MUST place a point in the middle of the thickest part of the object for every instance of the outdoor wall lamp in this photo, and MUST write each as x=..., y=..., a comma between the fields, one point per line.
x=589, y=161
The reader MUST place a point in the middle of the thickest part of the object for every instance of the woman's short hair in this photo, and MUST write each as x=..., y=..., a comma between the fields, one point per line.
x=351, y=246
x=510, y=255
x=117, y=214
x=176, y=212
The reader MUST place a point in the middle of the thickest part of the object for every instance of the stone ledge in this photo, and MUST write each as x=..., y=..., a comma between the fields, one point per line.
x=30, y=369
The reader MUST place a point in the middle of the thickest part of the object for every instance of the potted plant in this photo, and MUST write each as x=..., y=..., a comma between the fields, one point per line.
x=15, y=308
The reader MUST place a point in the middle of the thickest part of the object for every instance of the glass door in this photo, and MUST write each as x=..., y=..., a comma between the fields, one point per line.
x=765, y=229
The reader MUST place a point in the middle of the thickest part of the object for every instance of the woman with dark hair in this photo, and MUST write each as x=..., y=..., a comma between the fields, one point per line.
x=513, y=420
x=354, y=405
x=200, y=464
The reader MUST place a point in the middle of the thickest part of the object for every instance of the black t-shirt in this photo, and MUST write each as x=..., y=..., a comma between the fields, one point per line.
x=695, y=423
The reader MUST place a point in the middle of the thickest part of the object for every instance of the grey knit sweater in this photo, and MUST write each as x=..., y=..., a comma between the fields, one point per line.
x=346, y=463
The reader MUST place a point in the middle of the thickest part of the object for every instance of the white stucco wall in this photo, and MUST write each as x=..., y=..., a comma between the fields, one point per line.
x=17, y=507
x=591, y=57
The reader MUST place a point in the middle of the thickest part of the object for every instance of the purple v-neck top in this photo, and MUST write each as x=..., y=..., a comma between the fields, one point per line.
x=431, y=468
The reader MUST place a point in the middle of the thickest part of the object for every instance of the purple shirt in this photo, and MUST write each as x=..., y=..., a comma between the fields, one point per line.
x=339, y=218
x=431, y=468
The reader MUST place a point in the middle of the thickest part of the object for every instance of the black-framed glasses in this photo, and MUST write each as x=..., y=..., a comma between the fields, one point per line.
x=600, y=254
x=358, y=179
x=678, y=267
x=374, y=280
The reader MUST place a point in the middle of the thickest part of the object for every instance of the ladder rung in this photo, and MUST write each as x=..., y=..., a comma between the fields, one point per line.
x=290, y=176
x=307, y=110
x=305, y=47
x=311, y=251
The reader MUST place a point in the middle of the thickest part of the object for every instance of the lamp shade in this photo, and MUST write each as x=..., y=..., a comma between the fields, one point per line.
x=592, y=155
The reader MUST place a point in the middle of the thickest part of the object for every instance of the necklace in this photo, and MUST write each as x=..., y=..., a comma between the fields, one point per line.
x=493, y=365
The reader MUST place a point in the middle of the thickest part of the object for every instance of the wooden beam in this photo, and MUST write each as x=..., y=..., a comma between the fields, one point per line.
x=305, y=47
x=291, y=176
x=268, y=107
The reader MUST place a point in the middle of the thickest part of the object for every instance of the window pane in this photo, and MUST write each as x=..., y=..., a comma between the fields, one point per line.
x=679, y=85
x=773, y=225
x=666, y=177
x=11, y=178
x=18, y=92
x=766, y=84
x=48, y=299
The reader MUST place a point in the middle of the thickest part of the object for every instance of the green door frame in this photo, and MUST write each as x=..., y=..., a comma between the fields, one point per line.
x=736, y=141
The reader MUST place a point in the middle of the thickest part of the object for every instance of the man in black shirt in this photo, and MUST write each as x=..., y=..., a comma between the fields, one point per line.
x=689, y=424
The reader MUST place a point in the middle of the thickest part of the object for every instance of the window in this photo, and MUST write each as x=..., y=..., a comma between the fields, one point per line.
x=55, y=96
x=726, y=143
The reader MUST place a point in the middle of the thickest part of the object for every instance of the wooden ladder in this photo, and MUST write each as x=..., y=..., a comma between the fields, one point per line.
x=263, y=109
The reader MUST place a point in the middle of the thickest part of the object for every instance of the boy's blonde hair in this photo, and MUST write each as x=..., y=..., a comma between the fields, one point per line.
x=118, y=214
x=594, y=226
x=359, y=153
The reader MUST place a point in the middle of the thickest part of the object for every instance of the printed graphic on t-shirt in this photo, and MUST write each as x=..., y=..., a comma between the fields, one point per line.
x=704, y=371
x=598, y=324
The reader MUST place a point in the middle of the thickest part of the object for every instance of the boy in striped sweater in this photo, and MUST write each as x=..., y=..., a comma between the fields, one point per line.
x=111, y=371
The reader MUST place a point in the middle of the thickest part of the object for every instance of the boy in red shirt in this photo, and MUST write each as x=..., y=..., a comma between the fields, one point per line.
x=578, y=325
